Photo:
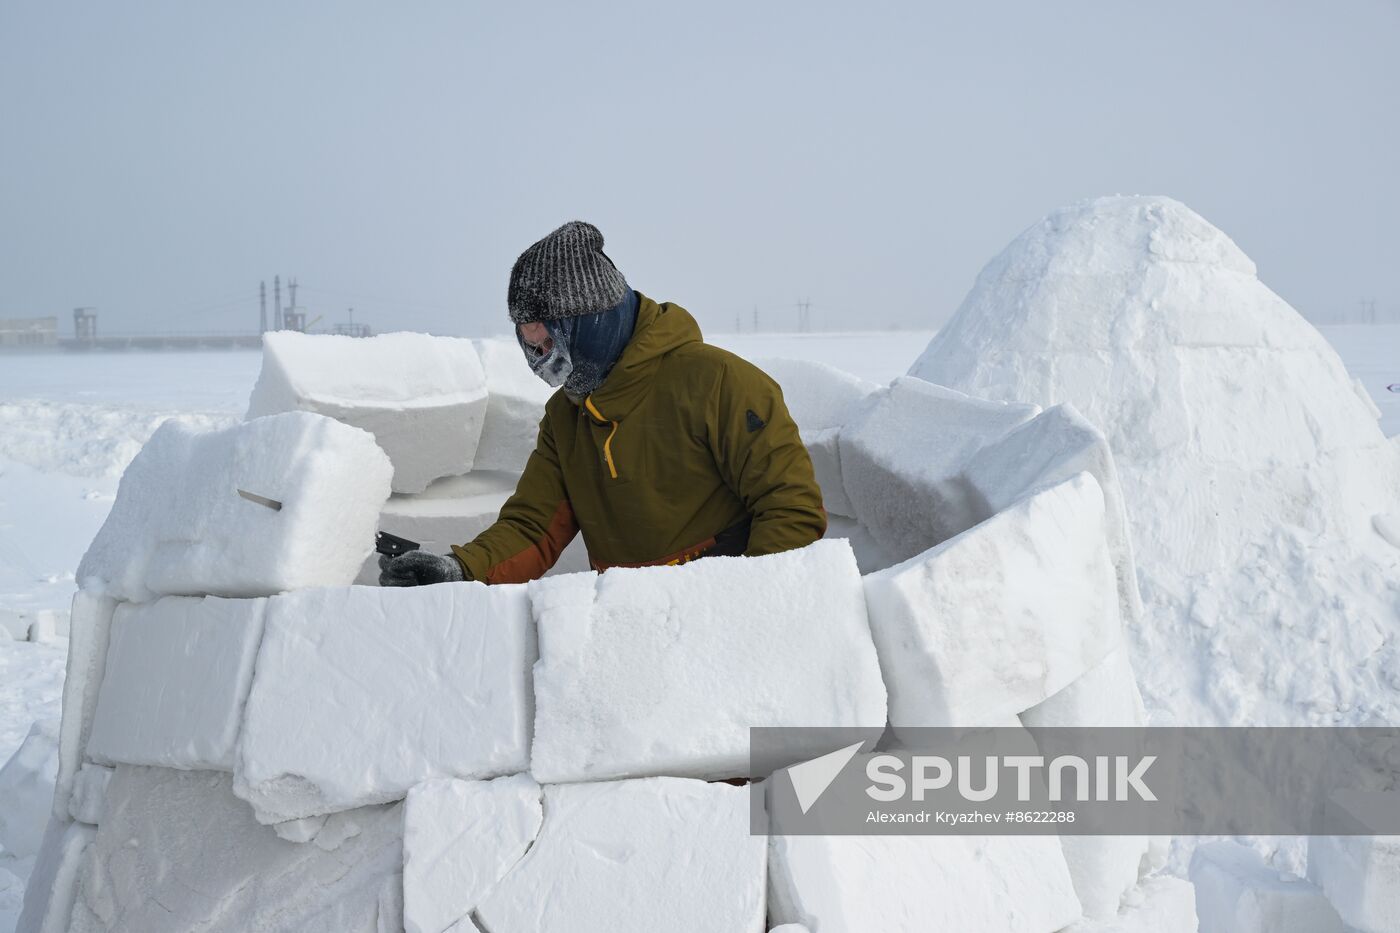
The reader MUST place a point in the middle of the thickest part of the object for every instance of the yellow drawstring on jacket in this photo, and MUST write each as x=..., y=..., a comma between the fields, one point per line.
x=607, y=444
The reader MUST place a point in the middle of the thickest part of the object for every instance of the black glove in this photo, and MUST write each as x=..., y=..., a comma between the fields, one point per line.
x=418, y=568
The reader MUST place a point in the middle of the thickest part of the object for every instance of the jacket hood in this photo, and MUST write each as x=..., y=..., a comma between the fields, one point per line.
x=660, y=329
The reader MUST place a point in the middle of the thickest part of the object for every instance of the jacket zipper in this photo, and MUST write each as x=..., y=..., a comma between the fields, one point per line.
x=607, y=444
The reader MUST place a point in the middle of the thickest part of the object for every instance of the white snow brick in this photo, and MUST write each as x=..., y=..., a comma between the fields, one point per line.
x=824, y=447
x=15, y=624
x=1359, y=874
x=1105, y=695
x=820, y=399
x=1104, y=868
x=903, y=456
x=1161, y=904
x=663, y=670
x=789, y=928
x=818, y=396
x=89, y=793
x=26, y=790
x=999, y=618
x=1237, y=893
x=91, y=622
x=177, y=852
x=178, y=673
x=53, y=884
x=460, y=839
x=1048, y=449
x=179, y=526
x=391, y=687
x=454, y=510
x=636, y=857
x=422, y=397
x=914, y=884
x=515, y=399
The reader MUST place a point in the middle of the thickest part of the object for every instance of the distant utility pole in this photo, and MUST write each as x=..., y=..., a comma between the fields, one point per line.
x=262, y=307
x=755, y=319
x=292, y=289
x=804, y=316
x=277, y=300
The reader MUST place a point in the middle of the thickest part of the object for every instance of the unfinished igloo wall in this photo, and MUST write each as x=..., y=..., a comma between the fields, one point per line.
x=302, y=754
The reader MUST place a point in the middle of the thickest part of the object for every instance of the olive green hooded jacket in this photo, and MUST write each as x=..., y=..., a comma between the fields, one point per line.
x=685, y=450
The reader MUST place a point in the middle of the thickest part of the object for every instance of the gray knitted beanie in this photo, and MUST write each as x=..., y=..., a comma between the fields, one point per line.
x=564, y=275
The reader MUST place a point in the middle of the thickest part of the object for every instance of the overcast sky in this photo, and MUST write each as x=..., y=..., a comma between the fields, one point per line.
x=158, y=159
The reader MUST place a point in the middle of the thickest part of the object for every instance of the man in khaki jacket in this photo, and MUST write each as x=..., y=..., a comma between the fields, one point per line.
x=660, y=448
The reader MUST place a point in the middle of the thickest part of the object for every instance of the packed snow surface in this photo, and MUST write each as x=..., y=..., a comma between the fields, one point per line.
x=1237, y=893
x=177, y=852
x=636, y=857
x=665, y=670
x=1252, y=466
x=460, y=839
x=913, y=884
x=177, y=675
x=995, y=620
x=357, y=663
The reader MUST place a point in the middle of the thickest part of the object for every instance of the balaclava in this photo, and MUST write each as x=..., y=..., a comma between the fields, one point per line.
x=567, y=283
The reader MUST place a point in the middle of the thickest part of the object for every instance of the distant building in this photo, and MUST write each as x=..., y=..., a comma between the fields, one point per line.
x=29, y=332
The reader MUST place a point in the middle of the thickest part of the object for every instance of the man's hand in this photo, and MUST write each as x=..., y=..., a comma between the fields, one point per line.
x=417, y=568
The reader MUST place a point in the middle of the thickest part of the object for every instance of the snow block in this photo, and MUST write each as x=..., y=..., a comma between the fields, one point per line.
x=391, y=687
x=1161, y=904
x=515, y=399
x=999, y=618
x=454, y=510
x=26, y=790
x=636, y=857
x=91, y=623
x=824, y=447
x=663, y=670
x=821, y=399
x=90, y=794
x=178, y=852
x=1050, y=448
x=902, y=460
x=460, y=839
x=1237, y=893
x=1104, y=868
x=818, y=396
x=53, y=884
x=179, y=527
x=1359, y=874
x=422, y=397
x=178, y=673
x=914, y=884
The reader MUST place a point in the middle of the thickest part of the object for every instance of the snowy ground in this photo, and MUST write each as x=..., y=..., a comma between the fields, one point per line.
x=70, y=423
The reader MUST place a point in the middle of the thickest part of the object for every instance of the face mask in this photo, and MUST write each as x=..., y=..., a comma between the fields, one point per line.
x=555, y=365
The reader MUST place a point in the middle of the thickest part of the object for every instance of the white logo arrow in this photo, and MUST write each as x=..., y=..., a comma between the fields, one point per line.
x=811, y=778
